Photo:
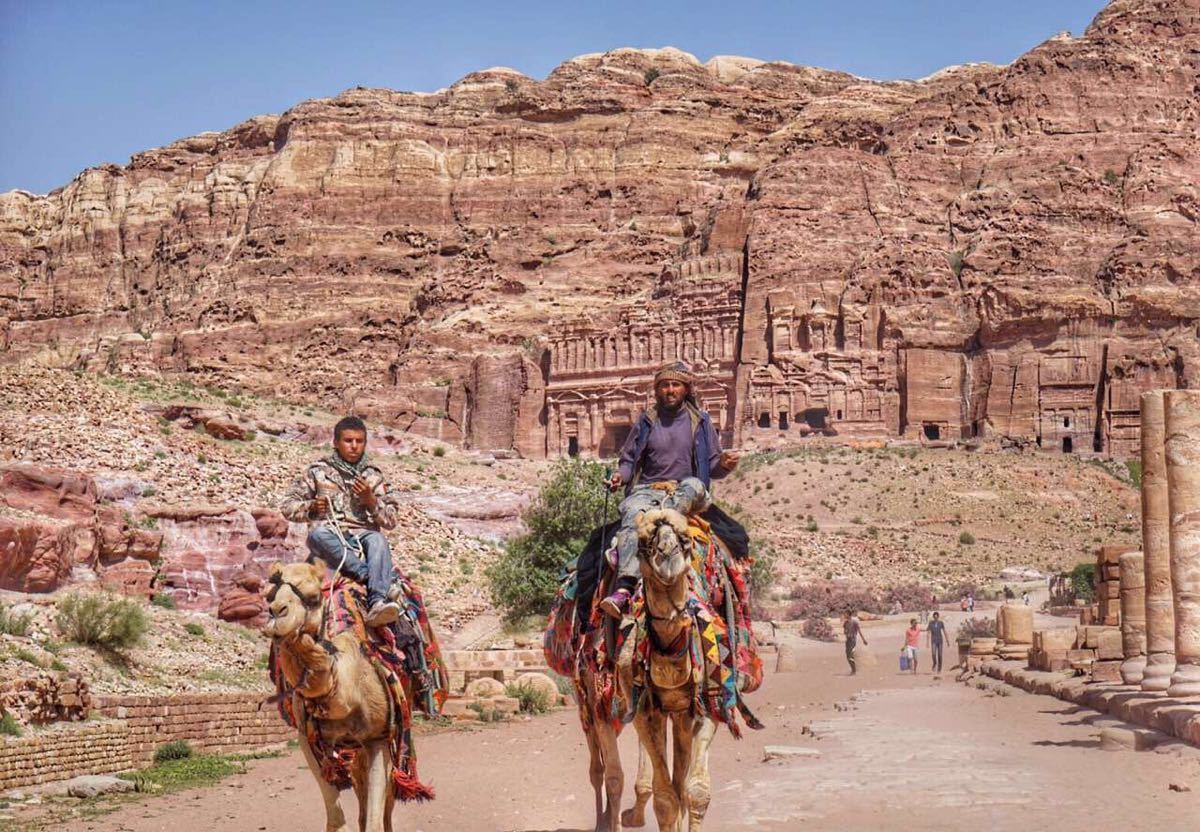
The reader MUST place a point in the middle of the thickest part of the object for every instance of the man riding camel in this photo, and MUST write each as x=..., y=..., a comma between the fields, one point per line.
x=349, y=502
x=668, y=461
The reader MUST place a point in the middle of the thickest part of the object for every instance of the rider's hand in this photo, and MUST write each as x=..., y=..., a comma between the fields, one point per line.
x=729, y=460
x=364, y=493
x=319, y=507
x=614, y=482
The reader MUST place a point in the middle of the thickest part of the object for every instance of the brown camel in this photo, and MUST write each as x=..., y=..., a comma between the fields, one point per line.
x=685, y=786
x=337, y=684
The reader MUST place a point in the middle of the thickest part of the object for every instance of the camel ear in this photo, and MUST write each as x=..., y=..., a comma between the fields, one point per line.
x=645, y=524
x=319, y=570
x=676, y=520
x=275, y=573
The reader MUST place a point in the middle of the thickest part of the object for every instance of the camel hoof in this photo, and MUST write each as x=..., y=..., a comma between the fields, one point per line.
x=631, y=819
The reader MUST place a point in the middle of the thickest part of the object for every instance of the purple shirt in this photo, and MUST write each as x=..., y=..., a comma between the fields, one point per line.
x=668, y=454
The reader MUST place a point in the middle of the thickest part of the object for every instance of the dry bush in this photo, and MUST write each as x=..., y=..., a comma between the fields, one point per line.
x=818, y=628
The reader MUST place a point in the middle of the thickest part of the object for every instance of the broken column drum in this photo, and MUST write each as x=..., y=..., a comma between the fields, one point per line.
x=1182, y=448
x=1133, y=617
x=1156, y=552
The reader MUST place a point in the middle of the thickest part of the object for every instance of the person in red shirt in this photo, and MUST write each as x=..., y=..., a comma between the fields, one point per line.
x=912, y=643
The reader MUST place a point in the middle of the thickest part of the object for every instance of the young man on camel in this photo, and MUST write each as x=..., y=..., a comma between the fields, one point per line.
x=349, y=503
x=668, y=461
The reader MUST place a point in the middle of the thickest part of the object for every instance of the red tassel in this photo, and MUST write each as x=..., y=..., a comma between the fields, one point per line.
x=408, y=788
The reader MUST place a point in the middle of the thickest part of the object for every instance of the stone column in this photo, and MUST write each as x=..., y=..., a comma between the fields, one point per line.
x=1133, y=617
x=1156, y=553
x=1182, y=410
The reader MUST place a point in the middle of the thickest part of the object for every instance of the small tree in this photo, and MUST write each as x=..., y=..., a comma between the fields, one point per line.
x=1083, y=581
x=571, y=503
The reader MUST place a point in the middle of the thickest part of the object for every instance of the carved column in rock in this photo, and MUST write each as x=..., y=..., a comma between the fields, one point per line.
x=1156, y=552
x=1133, y=617
x=1182, y=410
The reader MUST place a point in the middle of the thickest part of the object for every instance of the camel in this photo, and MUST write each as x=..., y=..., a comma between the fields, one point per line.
x=334, y=682
x=607, y=775
x=670, y=686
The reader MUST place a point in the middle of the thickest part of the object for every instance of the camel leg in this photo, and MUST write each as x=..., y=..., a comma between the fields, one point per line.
x=642, y=790
x=698, y=785
x=651, y=726
x=681, y=740
x=378, y=765
x=596, y=772
x=335, y=819
x=614, y=776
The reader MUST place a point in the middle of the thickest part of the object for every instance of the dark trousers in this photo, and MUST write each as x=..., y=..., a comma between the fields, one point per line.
x=850, y=644
x=936, y=649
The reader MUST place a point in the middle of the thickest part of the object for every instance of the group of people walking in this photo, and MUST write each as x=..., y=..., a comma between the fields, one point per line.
x=935, y=639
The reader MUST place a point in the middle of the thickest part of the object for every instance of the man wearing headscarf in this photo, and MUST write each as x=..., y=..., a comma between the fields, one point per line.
x=668, y=461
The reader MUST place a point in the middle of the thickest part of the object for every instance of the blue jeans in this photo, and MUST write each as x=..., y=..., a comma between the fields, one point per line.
x=689, y=496
x=375, y=572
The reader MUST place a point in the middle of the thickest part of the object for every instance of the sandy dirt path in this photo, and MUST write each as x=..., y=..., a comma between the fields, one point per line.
x=896, y=752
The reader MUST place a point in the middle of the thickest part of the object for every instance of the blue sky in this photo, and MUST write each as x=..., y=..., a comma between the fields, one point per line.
x=84, y=83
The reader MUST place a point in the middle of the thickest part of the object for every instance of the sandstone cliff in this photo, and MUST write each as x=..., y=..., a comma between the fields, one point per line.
x=992, y=251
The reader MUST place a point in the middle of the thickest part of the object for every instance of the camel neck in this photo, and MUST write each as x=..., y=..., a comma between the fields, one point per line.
x=307, y=666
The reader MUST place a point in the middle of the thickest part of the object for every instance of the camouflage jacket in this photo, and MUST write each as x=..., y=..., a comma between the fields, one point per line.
x=323, y=480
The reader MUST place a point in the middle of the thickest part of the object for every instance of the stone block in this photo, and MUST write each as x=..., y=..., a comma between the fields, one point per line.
x=1108, y=672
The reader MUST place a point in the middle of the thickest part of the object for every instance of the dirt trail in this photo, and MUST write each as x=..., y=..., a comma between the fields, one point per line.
x=896, y=752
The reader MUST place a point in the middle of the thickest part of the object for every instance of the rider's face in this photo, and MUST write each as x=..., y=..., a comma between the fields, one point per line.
x=670, y=393
x=351, y=444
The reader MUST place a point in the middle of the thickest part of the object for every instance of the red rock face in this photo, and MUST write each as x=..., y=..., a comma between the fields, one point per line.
x=35, y=557
x=993, y=251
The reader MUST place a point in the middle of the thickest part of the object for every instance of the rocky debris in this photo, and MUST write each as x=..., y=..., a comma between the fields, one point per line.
x=787, y=752
x=94, y=785
x=181, y=513
x=485, y=687
x=45, y=696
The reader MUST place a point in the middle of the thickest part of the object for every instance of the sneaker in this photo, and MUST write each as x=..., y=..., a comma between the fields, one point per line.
x=395, y=591
x=615, y=604
x=382, y=613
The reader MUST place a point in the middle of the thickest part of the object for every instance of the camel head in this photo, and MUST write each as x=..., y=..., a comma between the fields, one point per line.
x=663, y=538
x=294, y=599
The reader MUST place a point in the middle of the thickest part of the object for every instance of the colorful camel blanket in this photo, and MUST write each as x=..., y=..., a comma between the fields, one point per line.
x=722, y=646
x=346, y=602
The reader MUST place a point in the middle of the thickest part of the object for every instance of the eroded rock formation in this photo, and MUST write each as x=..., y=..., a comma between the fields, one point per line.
x=989, y=252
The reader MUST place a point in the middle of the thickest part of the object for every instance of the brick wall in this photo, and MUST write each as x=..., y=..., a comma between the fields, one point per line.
x=63, y=751
x=216, y=723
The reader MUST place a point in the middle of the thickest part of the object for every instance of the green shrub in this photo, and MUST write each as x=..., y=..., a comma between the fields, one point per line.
x=161, y=599
x=763, y=572
x=966, y=539
x=193, y=629
x=101, y=621
x=10, y=726
x=27, y=657
x=439, y=451
x=14, y=624
x=175, y=750
x=1083, y=581
x=571, y=503
x=1134, y=466
x=651, y=76
x=532, y=700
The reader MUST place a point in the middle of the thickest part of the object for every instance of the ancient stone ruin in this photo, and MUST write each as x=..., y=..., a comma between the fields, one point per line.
x=994, y=252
